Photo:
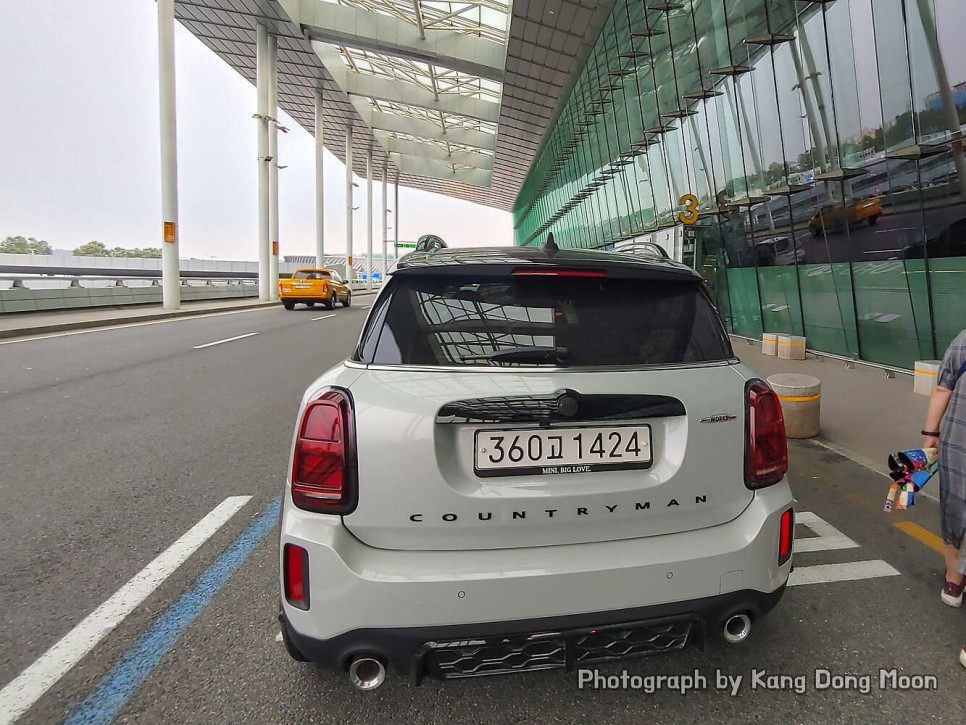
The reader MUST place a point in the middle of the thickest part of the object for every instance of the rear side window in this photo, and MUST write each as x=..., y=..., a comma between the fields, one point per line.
x=553, y=321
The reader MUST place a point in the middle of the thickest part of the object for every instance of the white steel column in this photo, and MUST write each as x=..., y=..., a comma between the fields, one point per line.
x=264, y=221
x=369, y=218
x=395, y=206
x=348, y=204
x=273, y=166
x=385, y=218
x=319, y=183
x=170, y=274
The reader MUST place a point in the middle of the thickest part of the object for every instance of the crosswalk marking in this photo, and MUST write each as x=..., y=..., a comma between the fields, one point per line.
x=829, y=538
x=851, y=571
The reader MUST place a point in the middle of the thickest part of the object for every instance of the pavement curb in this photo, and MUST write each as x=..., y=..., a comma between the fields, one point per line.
x=134, y=319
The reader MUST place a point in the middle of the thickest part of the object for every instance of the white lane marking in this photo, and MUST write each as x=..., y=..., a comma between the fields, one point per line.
x=30, y=685
x=324, y=317
x=184, y=318
x=227, y=339
x=851, y=571
x=827, y=536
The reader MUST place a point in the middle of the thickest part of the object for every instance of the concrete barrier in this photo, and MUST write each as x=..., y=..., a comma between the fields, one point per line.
x=801, y=397
x=40, y=300
x=769, y=344
x=791, y=347
x=926, y=373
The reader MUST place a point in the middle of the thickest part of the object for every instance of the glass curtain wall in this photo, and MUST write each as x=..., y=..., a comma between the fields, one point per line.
x=823, y=142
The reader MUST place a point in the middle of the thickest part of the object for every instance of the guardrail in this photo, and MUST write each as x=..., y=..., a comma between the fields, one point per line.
x=39, y=293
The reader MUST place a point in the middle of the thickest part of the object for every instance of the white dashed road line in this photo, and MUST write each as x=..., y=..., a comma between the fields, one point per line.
x=219, y=342
x=30, y=685
x=324, y=317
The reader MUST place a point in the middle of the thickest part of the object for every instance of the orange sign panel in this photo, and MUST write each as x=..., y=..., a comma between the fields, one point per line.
x=170, y=233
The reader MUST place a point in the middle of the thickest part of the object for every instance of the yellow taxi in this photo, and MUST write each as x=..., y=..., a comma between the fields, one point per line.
x=311, y=286
x=835, y=215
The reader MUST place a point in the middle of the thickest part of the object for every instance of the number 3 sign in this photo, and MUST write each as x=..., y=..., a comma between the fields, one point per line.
x=690, y=213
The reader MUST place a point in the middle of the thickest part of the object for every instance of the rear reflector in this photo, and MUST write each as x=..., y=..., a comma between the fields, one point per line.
x=296, y=576
x=766, y=450
x=559, y=273
x=786, y=536
x=324, y=467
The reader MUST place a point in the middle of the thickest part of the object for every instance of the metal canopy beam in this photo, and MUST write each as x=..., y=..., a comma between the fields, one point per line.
x=423, y=128
x=383, y=89
x=431, y=151
x=421, y=166
x=357, y=28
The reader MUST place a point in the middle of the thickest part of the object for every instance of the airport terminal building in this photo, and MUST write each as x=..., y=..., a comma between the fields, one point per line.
x=806, y=157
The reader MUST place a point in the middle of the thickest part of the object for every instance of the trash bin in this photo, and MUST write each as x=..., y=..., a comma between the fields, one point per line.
x=801, y=397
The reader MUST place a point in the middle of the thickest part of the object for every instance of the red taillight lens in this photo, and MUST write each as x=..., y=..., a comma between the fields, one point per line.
x=325, y=288
x=296, y=576
x=786, y=536
x=766, y=450
x=324, y=467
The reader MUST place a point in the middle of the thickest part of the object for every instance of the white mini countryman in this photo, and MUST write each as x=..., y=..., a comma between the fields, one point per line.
x=535, y=458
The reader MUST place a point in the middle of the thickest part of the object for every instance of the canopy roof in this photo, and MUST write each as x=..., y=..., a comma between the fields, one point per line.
x=453, y=97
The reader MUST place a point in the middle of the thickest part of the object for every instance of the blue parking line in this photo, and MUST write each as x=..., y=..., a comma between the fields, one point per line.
x=137, y=664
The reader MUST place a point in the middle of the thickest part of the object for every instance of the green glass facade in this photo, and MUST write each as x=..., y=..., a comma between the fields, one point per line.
x=822, y=143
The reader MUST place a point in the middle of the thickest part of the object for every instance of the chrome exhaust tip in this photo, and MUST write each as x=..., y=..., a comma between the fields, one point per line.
x=367, y=673
x=737, y=628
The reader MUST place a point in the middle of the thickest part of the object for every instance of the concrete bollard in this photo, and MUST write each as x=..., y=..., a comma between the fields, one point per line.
x=925, y=377
x=791, y=347
x=769, y=344
x=801, y=397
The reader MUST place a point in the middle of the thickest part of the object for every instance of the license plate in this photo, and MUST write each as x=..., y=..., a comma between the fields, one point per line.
x=303, y=286
x=562, y=450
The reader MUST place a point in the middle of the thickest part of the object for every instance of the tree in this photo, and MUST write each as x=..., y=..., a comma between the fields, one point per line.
x=92, y=249
x=24, y=245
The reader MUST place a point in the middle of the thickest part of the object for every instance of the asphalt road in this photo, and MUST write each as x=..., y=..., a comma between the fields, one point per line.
x=115, y=443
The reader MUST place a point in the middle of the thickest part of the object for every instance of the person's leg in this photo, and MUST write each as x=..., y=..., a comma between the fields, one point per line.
x=952, y=556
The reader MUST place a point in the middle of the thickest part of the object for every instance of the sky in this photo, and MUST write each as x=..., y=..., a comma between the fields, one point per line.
x=80, y=156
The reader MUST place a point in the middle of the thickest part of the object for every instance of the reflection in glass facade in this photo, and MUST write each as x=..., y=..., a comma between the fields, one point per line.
x=822, y=142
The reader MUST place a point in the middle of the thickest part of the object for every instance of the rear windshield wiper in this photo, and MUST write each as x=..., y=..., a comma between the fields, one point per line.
x=534, y=353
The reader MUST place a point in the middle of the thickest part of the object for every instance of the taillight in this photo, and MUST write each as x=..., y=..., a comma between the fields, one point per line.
x=559, y=273
x=295, y=575
x=766, y=450
x=325, y=288
x=324, y=466
x=786, y=536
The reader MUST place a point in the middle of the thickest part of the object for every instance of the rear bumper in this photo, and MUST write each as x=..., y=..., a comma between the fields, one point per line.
x=391, y=603
x=565, y=643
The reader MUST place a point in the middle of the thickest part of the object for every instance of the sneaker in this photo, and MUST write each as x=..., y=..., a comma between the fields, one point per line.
x=952, y=594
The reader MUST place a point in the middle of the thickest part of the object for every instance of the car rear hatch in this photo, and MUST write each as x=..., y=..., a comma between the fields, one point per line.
x=520, y=409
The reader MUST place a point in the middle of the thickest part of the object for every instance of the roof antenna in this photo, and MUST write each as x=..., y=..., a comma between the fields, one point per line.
x=550, y=246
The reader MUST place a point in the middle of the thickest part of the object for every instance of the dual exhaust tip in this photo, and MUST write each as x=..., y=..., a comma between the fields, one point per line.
x=368, y=673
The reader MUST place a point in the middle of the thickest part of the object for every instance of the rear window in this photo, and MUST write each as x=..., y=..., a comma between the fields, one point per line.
x=312, y=275
x=532, y=320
